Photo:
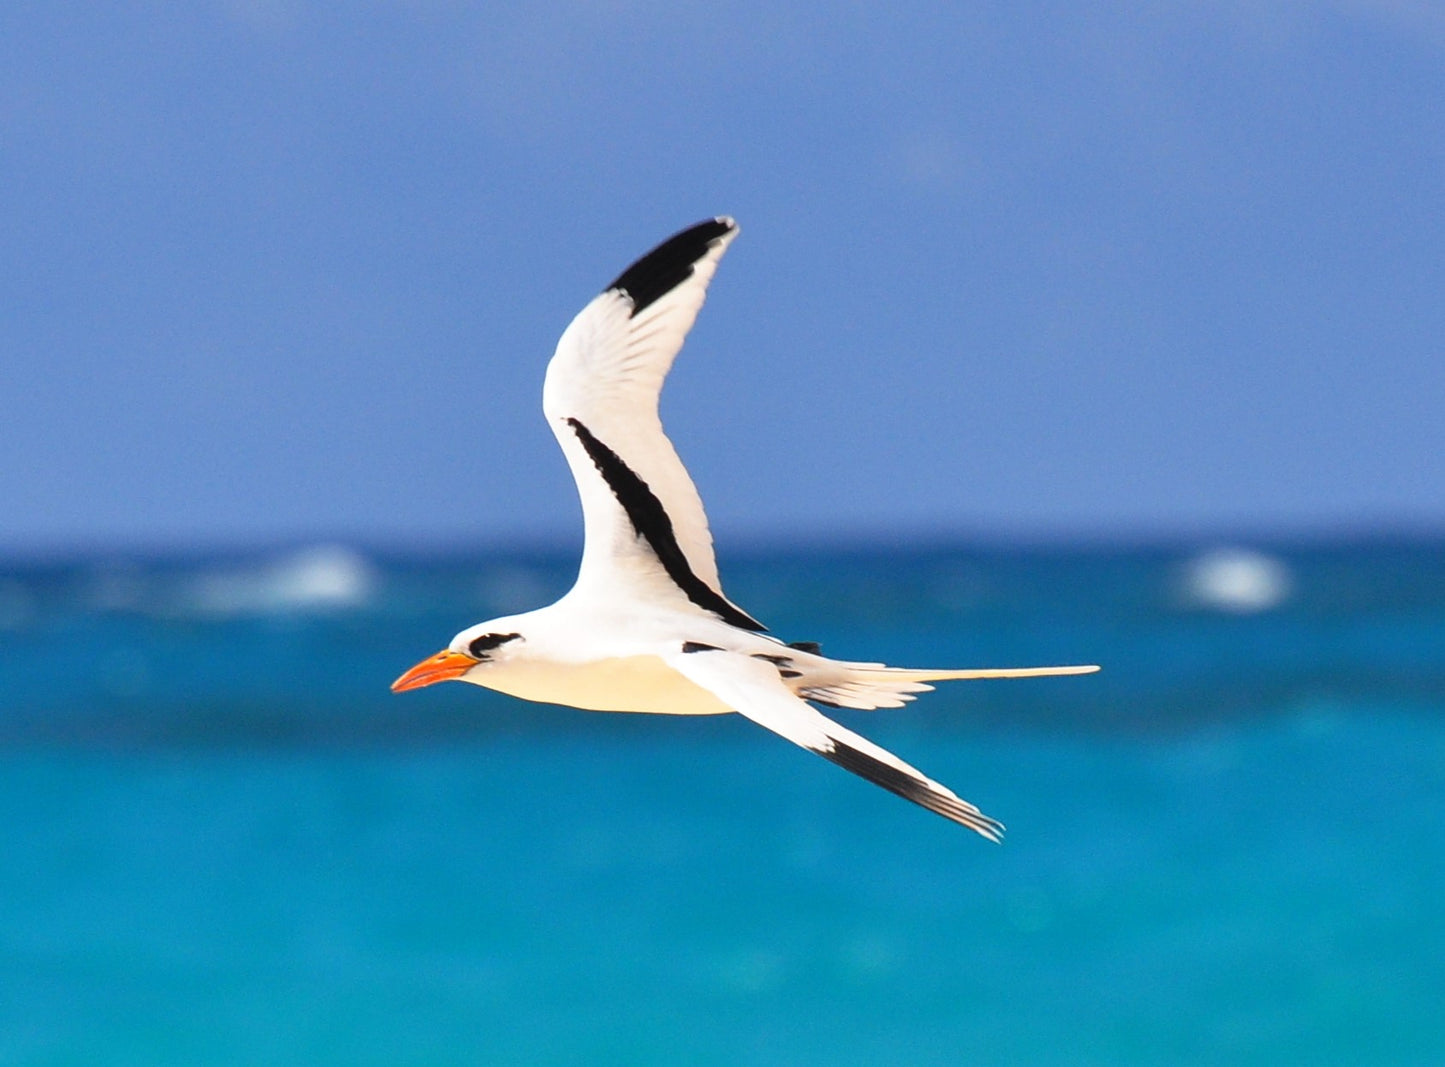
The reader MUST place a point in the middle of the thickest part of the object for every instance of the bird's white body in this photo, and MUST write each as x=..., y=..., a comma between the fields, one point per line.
x=646, y=628
x=618, y=666
x=643, y=684
x=617, y=659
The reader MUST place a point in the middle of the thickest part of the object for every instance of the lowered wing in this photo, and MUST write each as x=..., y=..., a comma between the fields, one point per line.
x=753, y=688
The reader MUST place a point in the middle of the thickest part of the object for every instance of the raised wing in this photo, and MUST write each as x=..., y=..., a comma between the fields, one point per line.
x=641, y=512
x=753, y=688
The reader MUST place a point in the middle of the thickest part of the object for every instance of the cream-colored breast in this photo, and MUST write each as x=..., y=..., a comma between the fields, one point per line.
x=631, y=683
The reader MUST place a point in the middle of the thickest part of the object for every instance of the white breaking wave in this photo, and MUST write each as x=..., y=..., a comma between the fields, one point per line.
x=318, y=578
x=1237, y=580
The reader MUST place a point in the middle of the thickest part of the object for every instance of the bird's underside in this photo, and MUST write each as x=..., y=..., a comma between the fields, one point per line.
x=647, y=627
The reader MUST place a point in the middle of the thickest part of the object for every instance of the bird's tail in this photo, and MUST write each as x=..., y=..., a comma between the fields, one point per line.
x=873, y=685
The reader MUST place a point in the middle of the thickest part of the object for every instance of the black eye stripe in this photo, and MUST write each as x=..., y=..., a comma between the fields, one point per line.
x=484, y=644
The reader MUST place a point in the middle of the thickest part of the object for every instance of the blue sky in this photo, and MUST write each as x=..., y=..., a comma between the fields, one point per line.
x=275, y=271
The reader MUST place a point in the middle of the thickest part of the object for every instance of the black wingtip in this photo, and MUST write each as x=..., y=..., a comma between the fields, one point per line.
x=911, y=788
x=670, y=264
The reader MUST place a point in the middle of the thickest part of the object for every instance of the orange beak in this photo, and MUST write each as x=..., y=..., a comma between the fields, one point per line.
x=442, y=667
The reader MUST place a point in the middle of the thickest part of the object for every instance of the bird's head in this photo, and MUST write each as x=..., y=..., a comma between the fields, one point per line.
x=473, y=649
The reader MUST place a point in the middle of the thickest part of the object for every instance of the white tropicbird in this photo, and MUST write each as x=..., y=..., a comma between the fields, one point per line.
x=646, y=627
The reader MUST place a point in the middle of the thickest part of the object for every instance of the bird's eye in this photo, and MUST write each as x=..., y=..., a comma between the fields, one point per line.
x=480, y=646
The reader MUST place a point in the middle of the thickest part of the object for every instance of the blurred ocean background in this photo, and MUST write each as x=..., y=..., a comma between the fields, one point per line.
x=227, y=843
x=1088, y=326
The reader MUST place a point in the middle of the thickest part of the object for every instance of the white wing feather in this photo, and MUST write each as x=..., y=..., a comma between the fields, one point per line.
x=607, y=374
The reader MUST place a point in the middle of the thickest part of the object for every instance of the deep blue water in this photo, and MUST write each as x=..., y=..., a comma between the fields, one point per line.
x=226, y=842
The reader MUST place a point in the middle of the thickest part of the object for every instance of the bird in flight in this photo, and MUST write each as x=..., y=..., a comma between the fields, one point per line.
x=646, y=627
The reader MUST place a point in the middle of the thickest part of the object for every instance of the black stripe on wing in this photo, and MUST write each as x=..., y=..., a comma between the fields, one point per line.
x=650, y=521
x=911, y=788
x=669, y=264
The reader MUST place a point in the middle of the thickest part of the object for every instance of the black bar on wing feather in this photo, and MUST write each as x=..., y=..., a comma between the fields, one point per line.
x=650, y=520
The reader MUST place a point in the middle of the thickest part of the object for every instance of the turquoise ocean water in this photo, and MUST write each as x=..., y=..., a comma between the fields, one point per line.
x=225, y=842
